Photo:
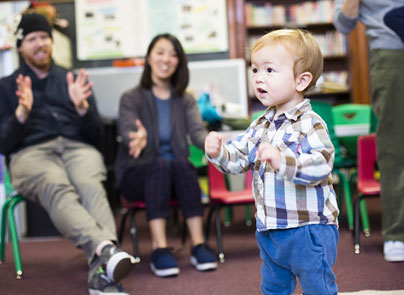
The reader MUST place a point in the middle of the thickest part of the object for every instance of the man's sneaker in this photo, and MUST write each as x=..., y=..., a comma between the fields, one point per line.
x=117, y=263
x=163, y=263
x=393, y=251
x=202, y=258
x=101, y=284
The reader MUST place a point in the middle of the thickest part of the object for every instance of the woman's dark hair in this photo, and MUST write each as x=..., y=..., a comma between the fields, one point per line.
x=180, y=79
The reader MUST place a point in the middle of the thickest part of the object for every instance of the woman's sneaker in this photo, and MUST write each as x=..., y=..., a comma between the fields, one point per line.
x=117, y=263
x=163, y=263
x=101, y=284
x=203, y=258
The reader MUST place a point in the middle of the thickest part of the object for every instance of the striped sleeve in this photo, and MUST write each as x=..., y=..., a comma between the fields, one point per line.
x=314, y=159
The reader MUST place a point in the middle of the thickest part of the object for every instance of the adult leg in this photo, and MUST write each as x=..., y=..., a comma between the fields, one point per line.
x=158, y=190
x=157, y=196
x=188, y=194
x=387, y=83
x=195, y=225
x=39, y=173
x=151, y=183
x=158, y=233
x=86, y=171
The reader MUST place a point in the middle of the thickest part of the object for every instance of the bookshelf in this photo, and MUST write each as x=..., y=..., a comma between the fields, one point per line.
x=345, y=58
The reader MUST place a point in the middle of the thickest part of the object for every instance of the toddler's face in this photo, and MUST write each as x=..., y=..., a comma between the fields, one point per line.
x=273, y=80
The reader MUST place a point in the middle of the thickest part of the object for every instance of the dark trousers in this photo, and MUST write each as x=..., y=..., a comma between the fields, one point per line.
x=387, y=83
x=158, y=182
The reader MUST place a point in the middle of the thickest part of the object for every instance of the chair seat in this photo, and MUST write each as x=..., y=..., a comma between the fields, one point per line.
x=221, y=197
x=230, y=197
x=370, y=187
x=131, y=208
x=140, y=204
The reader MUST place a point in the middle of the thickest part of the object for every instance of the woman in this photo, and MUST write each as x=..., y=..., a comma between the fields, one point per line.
x=155, y=120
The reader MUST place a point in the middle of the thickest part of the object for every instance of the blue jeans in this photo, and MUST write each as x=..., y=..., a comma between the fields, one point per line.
x=308, y=252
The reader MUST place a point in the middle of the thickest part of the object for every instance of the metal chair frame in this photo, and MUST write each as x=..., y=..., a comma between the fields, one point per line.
x=12, y=200
x=368, y=185
x=221, y=197
x=130, y=210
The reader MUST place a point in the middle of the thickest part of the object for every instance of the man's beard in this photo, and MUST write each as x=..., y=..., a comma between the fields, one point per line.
x=41, y=64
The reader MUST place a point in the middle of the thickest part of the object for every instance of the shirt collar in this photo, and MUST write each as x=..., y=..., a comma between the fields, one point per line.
x=292, y=114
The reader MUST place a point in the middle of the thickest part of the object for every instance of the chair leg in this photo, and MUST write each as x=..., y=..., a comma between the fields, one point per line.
x=348, y=198
x=365, y=218
x=358, y=201
x=248, y=219
x=340, y=191
x=14, y=236
x=3, y=228
x=208, y=221
x=122, y=227
x=133, y=233
x=357, y=225
x=354, y=178
x=227, y=216
x=184, y=233
x=219, y=235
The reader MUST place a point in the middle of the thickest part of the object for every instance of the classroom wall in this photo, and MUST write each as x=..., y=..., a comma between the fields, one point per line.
x=67, y=11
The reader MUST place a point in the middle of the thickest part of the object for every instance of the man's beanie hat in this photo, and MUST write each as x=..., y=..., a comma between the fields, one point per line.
x=32, y=22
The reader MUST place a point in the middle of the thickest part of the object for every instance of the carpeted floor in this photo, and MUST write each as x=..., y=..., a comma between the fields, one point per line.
x=54, y=266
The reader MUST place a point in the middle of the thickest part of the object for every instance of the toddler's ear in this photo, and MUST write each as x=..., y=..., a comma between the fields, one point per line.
x=303, y=81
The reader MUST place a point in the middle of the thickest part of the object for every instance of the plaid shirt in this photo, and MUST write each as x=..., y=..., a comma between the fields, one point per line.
x=301, y=192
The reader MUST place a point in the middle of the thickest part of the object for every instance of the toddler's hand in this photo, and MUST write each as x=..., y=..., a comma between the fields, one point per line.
x=268, y=153
x=213, y=144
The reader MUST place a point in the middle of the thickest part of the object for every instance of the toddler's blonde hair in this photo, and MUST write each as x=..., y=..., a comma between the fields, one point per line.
x=303, y=48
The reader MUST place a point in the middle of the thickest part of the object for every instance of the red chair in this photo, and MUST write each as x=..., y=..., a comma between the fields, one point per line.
x=220, y=197
x=368, y=185
x=131, y=207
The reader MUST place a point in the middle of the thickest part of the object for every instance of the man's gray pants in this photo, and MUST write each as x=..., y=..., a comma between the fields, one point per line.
x=65, y=177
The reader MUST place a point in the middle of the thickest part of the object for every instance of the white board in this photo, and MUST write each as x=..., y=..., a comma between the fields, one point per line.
x=224, y=80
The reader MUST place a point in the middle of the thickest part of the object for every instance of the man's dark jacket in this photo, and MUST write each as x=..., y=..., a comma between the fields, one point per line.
x=53, y=113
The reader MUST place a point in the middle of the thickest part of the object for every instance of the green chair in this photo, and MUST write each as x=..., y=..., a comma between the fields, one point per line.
x=199, y=161
x=342, y=164
x=352, y=120
x=197, y=157
x=12, y=199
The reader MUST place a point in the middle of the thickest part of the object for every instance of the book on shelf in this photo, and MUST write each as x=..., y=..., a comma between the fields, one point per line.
x=308, y=12
x=333, y=81
x=331, y=43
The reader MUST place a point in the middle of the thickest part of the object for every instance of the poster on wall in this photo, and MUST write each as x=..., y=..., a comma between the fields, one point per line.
x=108, y=29
x=9, y=16
x=10, y=13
